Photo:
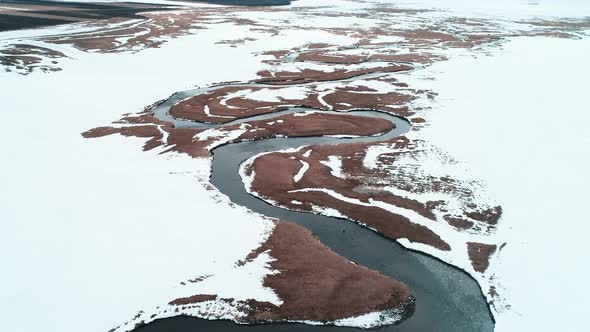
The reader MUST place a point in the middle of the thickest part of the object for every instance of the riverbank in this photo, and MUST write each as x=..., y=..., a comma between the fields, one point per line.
x=91, y=239
x=534, y=167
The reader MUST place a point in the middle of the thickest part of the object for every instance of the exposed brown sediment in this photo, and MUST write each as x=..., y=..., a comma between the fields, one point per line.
x=217, y=106
x=183, y=140
x=163, y=22
x=225, y=104
x=143, y=125
x=193, y=299
x=316, y=284
x=392, y=102
x=274, y=174
x=28, y=14
x=489, y=216
x=336, y=57
x=317, y=124
x=274, y=179
x=429, y=36
x=310, y=75
x=479, y=254
x=319, y=285
x=222, y=109
x=458, y=222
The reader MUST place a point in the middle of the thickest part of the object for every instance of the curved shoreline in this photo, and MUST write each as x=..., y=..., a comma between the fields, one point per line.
x=329, y=231
x=463, y=295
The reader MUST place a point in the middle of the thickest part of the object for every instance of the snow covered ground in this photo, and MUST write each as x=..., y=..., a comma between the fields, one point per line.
x=95, y=230
x=71, y=246
x=519, y=121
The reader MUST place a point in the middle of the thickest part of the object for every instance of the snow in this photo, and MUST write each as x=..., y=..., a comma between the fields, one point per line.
x=302, y=170
x=97, y=229
x=371, y=320
x=277, y=95
x=378, y=86
x=372, y=154
x=530, y=146
x=273, y=122
x=90, y=221
x=335, y=165
x=504, y=9
x=306, y=113
x=207, y=111
x=220, y=136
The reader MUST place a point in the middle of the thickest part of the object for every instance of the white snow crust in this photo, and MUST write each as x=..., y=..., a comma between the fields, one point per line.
x=522, y=116
x=95, y=230
x=335, y=165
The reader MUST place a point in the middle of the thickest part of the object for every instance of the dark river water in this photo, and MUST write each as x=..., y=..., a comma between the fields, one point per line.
x=447, y=299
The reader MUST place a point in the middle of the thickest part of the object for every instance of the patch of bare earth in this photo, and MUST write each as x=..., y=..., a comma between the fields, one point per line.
x=479, y=254
x=313, y=282
x=310, y=75
x=316, y=284
x=227, y=103
x=359, y=193
x=274, y=180
x=185, y=140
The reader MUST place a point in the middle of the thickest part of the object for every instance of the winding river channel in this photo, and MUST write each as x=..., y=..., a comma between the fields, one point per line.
x=447, y=298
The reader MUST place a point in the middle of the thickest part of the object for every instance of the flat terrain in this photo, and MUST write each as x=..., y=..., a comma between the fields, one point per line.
x=260, y=164
x=23, y=14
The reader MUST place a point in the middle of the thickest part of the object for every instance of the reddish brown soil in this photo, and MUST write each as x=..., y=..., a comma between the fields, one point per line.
x=489, y=216
x=163, y=25
x=458, y=222
x=29, y=57
x=158, y=26
x=277, y=55
x=274, y=179
x=316, y=284
x=318, y=45
x=235, y=42
x=344, y=98
x=182, y=139
x=479, y=254
x=320, y=56
x=193, y=299
x=194, y=108
x=394, y=102
x=317, y=124
x=309, y=75
x=337, y=58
